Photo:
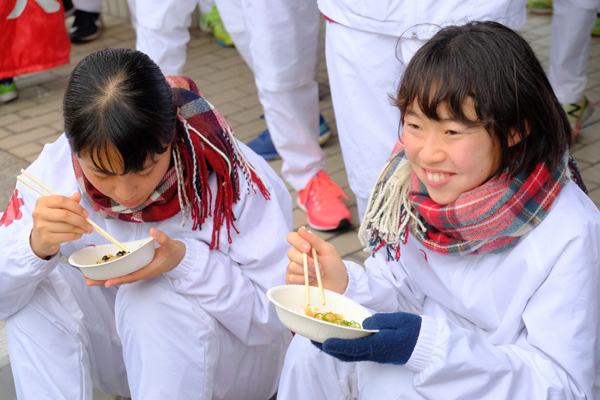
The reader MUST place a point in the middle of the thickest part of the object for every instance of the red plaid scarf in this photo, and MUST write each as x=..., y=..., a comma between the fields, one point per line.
x=205, y=146
x=489, y=218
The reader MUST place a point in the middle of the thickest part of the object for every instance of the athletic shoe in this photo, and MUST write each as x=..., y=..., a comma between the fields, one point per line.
x=263, y=145
x=596, y=30
x=578, y=113
x=539, y=6
x=69, y=8
x=8, y=90
x=324, y=130
x=86, y=27
x=211, y=23
x=321, y=199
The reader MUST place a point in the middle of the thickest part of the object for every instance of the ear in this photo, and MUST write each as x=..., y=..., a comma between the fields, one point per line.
x=516, y=137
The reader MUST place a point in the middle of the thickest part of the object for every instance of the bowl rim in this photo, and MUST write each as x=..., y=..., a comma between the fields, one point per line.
x=147, y=240
x=328, y=324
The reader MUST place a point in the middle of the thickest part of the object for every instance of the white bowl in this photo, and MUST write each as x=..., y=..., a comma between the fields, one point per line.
x=290, y=301
x=141, y=252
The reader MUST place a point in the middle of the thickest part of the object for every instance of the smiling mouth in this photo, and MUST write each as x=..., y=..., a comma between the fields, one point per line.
x=436, y=176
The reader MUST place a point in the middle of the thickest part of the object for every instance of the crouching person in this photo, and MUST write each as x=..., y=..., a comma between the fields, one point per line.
x=144, y=155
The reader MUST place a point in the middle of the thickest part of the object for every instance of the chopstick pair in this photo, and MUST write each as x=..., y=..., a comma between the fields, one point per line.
x=318, y=271
x=50, y=192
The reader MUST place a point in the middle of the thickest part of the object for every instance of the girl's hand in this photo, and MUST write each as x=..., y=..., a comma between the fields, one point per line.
x=56, y=220
x=166, y=257
x=393, y=344
x=334, y=275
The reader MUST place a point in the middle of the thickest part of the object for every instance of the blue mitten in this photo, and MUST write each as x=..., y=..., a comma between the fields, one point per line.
x=393, y=344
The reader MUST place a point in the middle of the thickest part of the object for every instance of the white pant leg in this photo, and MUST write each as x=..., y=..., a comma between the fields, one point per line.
x=173, y=349
x=280, y=58
x=308, y=373
x=162, y=31
x=572, y=25
x=293, y=120
x=93, y=6
x=63, y=343
x=363, y=72
x=206, y=6
x=241, y=40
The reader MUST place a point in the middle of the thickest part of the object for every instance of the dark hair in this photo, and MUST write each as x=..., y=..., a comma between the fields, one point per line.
x=497, y=68
x=119, y=98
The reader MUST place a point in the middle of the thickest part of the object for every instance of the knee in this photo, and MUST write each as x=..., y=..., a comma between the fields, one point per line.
x=149, y=304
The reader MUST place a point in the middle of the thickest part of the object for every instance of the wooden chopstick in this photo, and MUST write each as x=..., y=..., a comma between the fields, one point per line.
x=318, y=271
x=305, y=260
x=94, y=225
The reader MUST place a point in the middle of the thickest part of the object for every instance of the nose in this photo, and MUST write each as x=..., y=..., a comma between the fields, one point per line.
x=125, y=190
x=432, y=149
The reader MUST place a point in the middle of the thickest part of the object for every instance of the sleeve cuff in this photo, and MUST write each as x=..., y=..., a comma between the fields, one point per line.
x=189, y=261
x=351, y=288
x=29, y=257
x=425, y=344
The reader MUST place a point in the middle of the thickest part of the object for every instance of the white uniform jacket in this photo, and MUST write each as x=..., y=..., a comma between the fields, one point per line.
x=420, y=18
x=522, y=324
x=229, y=283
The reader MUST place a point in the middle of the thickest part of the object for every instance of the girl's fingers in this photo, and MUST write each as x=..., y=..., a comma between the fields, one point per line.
x=296, y=258
x=65, y=217
x=295, y=268
x=61, y=227
x=298, y=242
x=66, y=203
x=311, y=240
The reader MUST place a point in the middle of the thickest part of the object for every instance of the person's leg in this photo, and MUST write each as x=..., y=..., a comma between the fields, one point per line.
x=280, y=38
x=308, y=373
x=364, y=71
x=174, y=349
x=63, y=343
x=571, y=43
x=162, y=31
x=206, y=6
x=296, y=111
x=91, y=6
x=88, y=24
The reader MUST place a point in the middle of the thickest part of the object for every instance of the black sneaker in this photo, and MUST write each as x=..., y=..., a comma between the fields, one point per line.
x=86, y=27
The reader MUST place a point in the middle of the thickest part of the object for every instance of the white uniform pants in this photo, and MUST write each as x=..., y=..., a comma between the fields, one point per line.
x=364, y=71
x=93, y=6
x=142, y=340
x=572, y=24
x=279, y=40
x=311, y=374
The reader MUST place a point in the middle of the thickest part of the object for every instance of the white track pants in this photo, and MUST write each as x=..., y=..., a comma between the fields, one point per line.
x=93, y=6
x=311, y=374
x=572, y=24
x=162, y=31
x=364, y=71
x=142, y=340
x=308, y=373
x=279, y=41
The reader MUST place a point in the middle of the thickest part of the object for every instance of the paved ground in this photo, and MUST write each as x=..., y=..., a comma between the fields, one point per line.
x=35, y=118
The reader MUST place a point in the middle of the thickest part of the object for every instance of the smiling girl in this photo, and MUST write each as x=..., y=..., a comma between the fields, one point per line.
x=484, y=270
x=144, y=155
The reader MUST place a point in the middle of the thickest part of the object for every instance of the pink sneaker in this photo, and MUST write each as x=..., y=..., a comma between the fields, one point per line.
x=321, y=199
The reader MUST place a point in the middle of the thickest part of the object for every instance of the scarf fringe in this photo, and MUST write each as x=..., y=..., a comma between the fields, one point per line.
x=201, y=155
x=389, y=209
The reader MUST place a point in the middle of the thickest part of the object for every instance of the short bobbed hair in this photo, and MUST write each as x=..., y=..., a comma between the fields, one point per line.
x=495, y=67
x=119, y=98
